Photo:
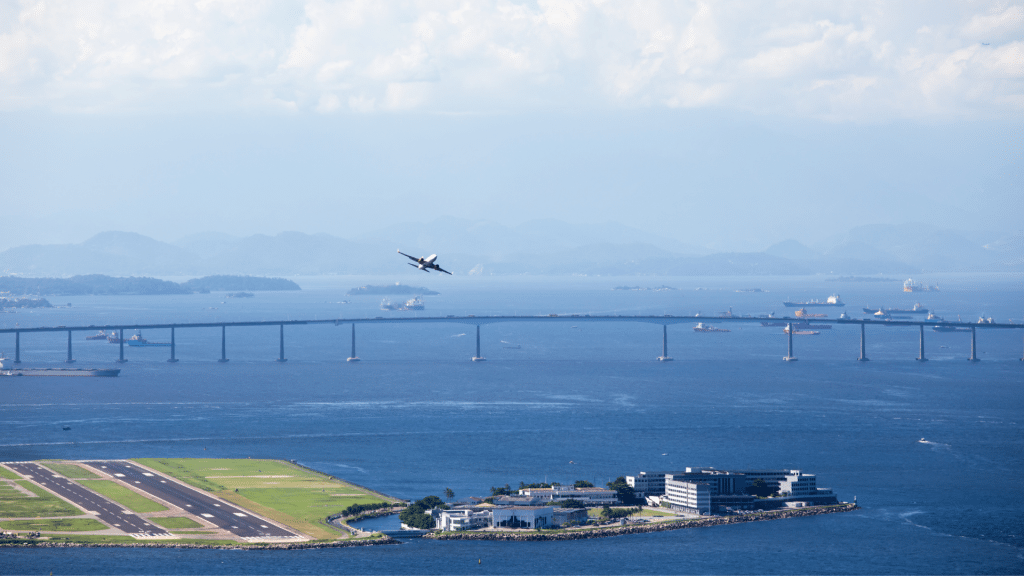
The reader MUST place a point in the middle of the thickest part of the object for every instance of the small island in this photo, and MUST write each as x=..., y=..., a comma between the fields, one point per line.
x=391, y=289
x=8, y=302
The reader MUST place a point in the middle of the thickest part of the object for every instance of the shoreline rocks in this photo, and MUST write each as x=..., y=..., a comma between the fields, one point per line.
x=526, y=536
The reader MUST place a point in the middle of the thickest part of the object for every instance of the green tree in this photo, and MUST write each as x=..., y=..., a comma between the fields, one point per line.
x=572, y=503
x=758, y=487
x=582, y=484
x=623, y=491
x=448, y=494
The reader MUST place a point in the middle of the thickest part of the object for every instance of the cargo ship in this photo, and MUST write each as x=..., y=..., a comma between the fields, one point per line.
x=800, y=332
x=832, y=300
x=137, y=340
x=797, y=325
x=701, y=327
x=803, y=313
x=911, y=286
x=102, y=372
x=917, y=309
x=101, y=335
x=412, y=304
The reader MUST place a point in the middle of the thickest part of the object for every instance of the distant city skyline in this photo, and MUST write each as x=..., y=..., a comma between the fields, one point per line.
x=726, y=125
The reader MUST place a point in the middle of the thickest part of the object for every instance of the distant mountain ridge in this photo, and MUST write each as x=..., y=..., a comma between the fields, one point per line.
x=545, y=247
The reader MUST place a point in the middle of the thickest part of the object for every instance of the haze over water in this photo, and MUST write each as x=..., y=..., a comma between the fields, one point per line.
x=585, y=401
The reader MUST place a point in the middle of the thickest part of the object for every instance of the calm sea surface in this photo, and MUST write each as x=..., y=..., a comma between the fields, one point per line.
x=561, y=402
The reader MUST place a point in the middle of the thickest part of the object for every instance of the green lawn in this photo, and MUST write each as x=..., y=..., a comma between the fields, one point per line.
x=62, y=525
x=69, y=470
x=9, y=474
x=175, y=522
x=280, y=490
x=127, y=498
x=14, y=504
x=648, y=512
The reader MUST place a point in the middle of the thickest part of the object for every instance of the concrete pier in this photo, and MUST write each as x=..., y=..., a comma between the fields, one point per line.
x=478, y=357
x=223, y=344
x=863, y=351
x=664, y=345
x=70, y=359
x=974, y=348
x=920, y=355
x=172, y=358
x=789, y=332
x=281, y=357
x=120, y=346
x=353, y=357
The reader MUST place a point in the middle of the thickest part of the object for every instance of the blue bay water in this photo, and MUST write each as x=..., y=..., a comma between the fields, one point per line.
x=561, y=402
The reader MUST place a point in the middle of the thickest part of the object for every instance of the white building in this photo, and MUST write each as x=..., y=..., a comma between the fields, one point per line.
x=523, y=517
x=462, y=519
x=648, y=483
x=592, y=496
x=687, y=496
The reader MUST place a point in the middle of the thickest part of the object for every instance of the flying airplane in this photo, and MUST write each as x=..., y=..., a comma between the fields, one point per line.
x=426, y=264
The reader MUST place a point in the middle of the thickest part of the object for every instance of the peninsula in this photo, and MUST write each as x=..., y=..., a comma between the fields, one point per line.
x=98, y=284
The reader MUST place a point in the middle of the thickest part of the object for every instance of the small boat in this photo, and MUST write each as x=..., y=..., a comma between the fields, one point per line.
x=701, y=327
x=137, y=340
x=801, y=332
x=66, y=427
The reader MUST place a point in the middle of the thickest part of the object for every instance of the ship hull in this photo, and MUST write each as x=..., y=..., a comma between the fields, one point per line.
x=79, y=372
x=147, y=344
x=809, y=304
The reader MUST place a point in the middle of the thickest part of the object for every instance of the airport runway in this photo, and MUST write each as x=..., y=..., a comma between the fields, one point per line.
x=224, y=515
x=109, y=512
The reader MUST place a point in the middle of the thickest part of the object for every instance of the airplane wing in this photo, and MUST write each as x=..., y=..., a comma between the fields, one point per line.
x=431, y=258
x=425, y=269
x=439, y=269
x=413, y=258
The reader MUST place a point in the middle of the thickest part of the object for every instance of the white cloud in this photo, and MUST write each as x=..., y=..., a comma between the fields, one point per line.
x=844, y=59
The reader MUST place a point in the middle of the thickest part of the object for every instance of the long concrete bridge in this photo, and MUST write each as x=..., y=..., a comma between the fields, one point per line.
x=478, y=321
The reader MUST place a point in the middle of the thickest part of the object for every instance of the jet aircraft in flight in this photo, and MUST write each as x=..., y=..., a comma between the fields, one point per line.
x=426, y=264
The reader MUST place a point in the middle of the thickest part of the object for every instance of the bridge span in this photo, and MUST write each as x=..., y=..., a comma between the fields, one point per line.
x=478, y=321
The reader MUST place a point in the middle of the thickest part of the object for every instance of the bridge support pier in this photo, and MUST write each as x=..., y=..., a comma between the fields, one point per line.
x=70, y=360
x=172, y=358
x=120, y=346
x=281, y=357
x=353, y=357
x=17, y=348
x=478, y=357
x=974, y=348
x=920, y=355
x=789, y=332
x=863, y=352
x=223, y=344
x=664, y=345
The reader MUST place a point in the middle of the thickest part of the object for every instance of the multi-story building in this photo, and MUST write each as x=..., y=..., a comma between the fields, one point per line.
x=593, y=496
x=728, y=488
x=522, y=517
x=563, y=516
x=691, y=497
x=461, y=518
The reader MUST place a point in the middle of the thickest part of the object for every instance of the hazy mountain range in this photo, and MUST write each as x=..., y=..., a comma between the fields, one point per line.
x=546, y=247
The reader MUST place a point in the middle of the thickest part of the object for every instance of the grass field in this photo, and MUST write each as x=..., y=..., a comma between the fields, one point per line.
x=648, y=512
x=14, y=504
x=9, y=474
x=62, y=525
x=178, y=522
x=283, y=492
x=127, y=498
x=69, y=470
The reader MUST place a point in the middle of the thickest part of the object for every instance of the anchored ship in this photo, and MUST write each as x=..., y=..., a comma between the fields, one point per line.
x=917, y=309
x=701, y=327
x=412, y=304
x=138, y=340
x=911, y=286
x=832, y=300
x=10, y=371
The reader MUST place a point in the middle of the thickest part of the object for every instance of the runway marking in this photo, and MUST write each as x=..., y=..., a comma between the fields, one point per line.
x=205, y=515
x=239, y=514
x=118, y=474
x=146, y=474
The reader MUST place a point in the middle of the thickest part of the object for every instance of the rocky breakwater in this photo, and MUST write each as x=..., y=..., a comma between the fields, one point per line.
x=26, y=543
x=584, y=533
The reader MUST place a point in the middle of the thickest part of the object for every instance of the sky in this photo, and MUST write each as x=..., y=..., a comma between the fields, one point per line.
x=726, y=124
